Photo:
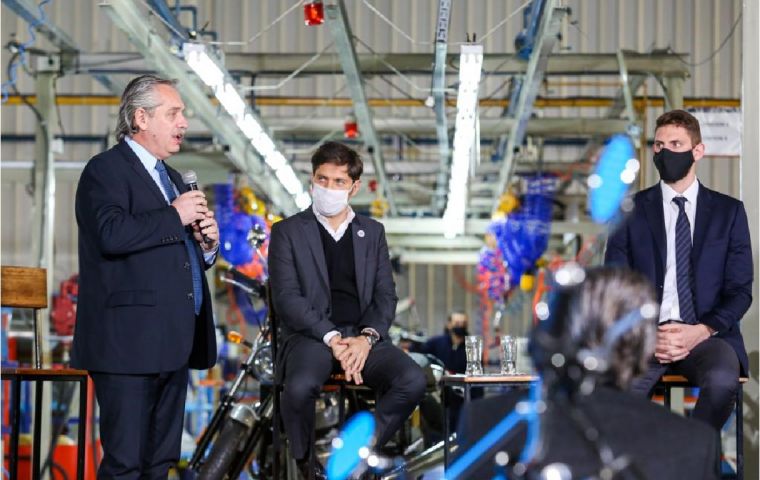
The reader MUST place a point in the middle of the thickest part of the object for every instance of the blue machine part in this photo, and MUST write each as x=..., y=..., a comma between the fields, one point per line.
x=525, y=40
x=356, y=435
x=615, y=171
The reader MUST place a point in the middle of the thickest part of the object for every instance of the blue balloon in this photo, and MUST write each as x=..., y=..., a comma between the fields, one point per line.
x=611, y=178
x=234, y=239
x=357, y=434
x=523, y=235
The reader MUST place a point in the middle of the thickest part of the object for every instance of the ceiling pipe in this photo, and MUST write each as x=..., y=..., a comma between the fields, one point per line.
x=439, y=105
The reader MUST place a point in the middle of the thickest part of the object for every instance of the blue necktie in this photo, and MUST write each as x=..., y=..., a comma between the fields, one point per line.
x=684, y=277
x=195, y=267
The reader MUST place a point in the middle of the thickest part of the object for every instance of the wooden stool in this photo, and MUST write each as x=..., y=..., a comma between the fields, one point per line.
x=669, y=381
x=24, y=287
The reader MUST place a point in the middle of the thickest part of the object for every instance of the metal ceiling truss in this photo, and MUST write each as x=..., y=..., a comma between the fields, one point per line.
x=126, y=15
x=344, y=44
x=658, y=63
x=30, y=11
x=546, y=39
x=439, y=105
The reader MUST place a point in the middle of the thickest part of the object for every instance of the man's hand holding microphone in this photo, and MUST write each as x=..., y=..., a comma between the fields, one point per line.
x=193, y=210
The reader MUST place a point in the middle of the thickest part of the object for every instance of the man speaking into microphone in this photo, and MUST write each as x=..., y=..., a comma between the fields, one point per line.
x=144, y=313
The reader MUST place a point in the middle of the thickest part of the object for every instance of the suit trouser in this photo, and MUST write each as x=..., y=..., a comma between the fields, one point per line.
x=308, y=366
x=713, y=367
x=141, y=420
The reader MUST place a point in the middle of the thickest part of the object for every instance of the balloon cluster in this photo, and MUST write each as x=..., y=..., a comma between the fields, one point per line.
x=238, y=212
x=492, y=272
x=523, y=235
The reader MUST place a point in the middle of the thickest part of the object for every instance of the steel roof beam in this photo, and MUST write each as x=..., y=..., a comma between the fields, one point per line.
x=30, y=11
x=439, y=106
x=544, y=126
x=344, y=44
x=283, y=64
x=534, y=75
x=126, y=16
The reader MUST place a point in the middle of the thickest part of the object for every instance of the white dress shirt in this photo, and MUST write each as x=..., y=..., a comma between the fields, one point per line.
x=149, y=162
x=336, y=234
x=669, y=309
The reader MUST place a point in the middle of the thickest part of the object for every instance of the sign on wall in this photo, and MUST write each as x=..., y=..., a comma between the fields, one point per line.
x=721, y=130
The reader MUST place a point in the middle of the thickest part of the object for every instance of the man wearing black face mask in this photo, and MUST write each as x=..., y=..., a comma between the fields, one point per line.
x=449, y=348
x=693, y=244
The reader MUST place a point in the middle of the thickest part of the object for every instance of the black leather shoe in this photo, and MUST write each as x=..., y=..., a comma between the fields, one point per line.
x=319, y=470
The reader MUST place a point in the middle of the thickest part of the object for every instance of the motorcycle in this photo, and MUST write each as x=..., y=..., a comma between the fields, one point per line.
x=240, y=435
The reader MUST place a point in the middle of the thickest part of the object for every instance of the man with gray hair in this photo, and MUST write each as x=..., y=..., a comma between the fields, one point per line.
x=144, y=314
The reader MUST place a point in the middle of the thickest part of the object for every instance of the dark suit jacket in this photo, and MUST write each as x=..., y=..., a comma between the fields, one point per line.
x=299, y=282
x=662, y=444
x=721, y=257
x=440, y=346
x=135, y=313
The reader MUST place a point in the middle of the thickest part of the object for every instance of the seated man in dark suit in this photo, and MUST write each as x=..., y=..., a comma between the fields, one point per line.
x=693, y=244
x=599, y=336
x=334, y=296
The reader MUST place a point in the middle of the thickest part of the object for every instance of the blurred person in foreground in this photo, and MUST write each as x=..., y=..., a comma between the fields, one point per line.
x=590, y=422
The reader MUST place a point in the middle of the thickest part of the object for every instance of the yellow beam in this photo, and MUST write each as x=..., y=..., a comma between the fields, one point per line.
x=581, y=102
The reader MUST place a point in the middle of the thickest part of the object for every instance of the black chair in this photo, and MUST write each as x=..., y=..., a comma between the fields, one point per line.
x=335, y=382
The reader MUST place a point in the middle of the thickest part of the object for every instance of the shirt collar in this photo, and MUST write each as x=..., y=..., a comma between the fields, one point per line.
x=326, y=222
x=668, y=194
x=146, y=158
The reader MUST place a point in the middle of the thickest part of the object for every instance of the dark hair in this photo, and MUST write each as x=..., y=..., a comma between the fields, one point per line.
x=584, y=313
x=338, y=154
x=140, y=93
x=681, y=118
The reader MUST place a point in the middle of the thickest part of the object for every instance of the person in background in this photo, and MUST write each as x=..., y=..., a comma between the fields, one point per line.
x=144, y=314
x=448, y=347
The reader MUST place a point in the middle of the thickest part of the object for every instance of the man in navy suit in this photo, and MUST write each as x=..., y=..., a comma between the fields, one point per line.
x=334, y=298
x=144, y=314
x=693, y=244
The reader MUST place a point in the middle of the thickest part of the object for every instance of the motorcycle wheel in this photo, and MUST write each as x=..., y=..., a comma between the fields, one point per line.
x=223, y=452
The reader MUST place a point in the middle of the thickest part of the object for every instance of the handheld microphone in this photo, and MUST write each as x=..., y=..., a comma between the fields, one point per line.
x=191, y=180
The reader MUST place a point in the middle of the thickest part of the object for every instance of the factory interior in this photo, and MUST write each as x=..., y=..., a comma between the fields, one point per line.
x=510, y=150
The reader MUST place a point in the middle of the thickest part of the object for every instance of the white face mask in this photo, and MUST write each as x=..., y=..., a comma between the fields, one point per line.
x=329, y=202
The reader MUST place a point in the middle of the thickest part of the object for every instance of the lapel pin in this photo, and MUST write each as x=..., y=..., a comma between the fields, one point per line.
x=360, y=233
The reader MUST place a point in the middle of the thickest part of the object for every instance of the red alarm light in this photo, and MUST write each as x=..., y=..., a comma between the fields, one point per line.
x=314, y=13
x=350, y=128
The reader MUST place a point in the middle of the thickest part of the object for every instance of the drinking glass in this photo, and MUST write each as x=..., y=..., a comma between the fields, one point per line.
x=508, y=348
x=473, y=345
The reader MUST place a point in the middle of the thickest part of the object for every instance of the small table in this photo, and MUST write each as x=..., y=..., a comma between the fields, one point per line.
x=38, y=376
x=469, y=381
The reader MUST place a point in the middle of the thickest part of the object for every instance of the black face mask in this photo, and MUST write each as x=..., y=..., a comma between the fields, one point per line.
x=460, y=331
x=673, y=166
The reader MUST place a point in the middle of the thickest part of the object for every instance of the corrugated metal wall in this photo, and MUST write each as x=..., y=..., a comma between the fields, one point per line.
x=696, y=28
